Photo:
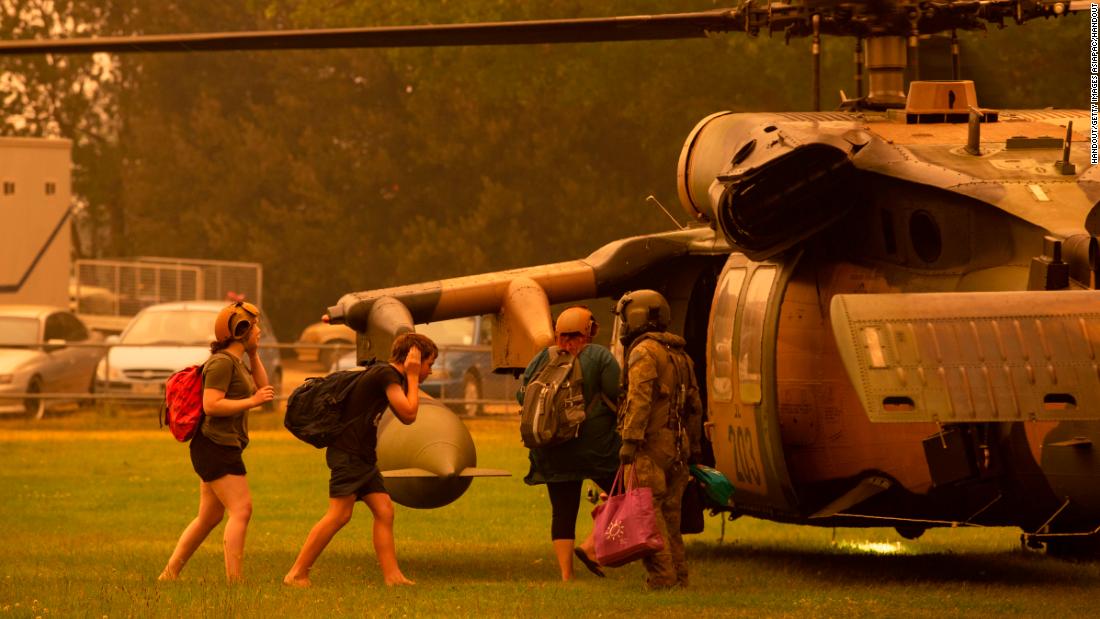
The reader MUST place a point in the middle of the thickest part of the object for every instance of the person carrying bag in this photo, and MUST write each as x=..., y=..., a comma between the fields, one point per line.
x=625, y=526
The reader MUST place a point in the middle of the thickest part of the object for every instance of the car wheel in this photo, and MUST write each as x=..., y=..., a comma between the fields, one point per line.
x=471, y=393
x=35, y=408
x=277, y=383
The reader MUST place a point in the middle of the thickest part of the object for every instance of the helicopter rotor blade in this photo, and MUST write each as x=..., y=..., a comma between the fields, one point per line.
x=634, y=28
x=794, y=18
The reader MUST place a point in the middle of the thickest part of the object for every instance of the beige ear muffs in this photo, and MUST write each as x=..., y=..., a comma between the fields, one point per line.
x=235, y=321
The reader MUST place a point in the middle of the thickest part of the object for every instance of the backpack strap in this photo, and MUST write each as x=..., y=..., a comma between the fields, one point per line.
x=202, y=379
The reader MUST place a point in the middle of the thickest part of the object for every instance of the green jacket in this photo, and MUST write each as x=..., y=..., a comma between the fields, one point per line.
x=595, y=451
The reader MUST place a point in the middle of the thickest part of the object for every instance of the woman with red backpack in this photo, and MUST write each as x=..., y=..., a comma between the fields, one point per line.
x=230, y=389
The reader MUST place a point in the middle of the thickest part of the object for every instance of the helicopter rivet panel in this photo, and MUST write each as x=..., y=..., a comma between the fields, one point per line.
x=988, y=356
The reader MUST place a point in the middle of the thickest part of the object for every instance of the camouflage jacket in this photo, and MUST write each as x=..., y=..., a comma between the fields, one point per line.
x=662, y=410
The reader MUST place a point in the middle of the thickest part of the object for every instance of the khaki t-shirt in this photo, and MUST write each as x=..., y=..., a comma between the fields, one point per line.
x=224, y=372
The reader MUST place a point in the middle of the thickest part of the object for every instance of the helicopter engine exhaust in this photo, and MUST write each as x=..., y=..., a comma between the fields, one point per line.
x=768, y=182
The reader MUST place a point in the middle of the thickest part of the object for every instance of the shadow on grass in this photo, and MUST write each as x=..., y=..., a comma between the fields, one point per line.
x=1016, y=567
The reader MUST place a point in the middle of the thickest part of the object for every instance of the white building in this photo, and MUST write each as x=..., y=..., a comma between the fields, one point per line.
x=35, y=220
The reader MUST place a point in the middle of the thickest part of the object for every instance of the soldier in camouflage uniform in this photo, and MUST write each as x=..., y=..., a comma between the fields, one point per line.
x=660, y=422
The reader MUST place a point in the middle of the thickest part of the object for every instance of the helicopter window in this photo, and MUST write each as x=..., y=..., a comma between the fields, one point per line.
x=752, y=334
x=721, y=342
x=924, y=234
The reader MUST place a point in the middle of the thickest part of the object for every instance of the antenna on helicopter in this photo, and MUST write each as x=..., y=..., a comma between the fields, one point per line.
x=974, y=132
x=1064, y=165
x=816, y=51
x=651, y=198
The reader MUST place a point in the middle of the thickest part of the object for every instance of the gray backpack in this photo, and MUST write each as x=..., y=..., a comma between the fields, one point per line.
x=553, y=402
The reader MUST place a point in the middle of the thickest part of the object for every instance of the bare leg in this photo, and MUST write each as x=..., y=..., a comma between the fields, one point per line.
x=381, y=508
x=211, y=511
x=338, y=515
x=232, y=491
x=563, y=550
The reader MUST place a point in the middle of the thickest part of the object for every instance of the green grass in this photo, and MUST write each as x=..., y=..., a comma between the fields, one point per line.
x=92, y=507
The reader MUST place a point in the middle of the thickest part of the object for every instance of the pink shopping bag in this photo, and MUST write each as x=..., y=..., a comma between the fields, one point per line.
x=625, y=525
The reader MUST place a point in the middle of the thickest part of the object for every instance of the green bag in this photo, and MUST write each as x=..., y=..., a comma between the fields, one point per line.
x=717, y=486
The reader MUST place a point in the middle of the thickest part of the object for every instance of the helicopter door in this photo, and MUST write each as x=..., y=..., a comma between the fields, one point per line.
x=739, y=373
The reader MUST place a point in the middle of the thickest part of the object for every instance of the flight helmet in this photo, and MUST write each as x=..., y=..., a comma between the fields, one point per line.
x=641, y=311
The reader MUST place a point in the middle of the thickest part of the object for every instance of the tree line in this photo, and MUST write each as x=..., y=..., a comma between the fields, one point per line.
x=343, y=170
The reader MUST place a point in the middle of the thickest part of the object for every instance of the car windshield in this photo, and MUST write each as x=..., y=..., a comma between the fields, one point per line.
x=18, y=331
x=456, y=331
x=180, y=327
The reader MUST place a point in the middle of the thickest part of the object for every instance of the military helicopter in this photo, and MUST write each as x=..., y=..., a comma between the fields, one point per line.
x=892, y=307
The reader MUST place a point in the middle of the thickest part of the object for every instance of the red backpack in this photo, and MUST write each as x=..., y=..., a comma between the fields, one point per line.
x=183, y=403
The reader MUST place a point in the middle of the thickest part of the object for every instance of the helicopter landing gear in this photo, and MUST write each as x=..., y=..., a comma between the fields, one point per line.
x=1075, y=548
x=910, y=532
x=1068, y=547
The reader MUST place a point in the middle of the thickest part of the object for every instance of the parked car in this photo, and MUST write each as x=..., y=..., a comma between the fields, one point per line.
x=324, y=333
x=37, y=356
x=162, y=339
x=463, y=373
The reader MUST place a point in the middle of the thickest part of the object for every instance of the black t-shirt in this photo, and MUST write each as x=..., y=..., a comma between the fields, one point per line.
x=365, y=405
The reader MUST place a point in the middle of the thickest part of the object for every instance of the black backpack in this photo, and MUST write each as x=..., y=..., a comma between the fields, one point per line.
x=313, y=409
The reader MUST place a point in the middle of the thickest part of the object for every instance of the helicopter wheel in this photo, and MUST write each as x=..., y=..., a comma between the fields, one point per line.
x=1074, y=548
x=910, y=532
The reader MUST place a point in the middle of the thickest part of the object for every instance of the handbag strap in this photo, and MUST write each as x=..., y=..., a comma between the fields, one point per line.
x=615, y=483
x=631, y=482
x=620, y=476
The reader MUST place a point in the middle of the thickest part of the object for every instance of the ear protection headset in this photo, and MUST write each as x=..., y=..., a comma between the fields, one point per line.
x=235, y=321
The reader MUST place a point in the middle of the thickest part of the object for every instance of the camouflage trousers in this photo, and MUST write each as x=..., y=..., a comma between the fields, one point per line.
x=668, y=567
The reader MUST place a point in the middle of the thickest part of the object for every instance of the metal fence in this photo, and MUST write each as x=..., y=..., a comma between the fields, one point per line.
x=151, y=390
x=220, y=278
x=106, y=289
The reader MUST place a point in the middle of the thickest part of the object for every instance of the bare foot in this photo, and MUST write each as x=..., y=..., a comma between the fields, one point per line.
x=397, y=579
x=168, y=574
x=302, y=582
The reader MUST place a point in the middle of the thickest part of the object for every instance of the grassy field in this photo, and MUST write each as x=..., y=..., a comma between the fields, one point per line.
x=93, y=505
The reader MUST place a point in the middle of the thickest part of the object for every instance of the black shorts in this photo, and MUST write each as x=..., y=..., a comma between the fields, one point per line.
x=352, y=475
x=213, y=461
